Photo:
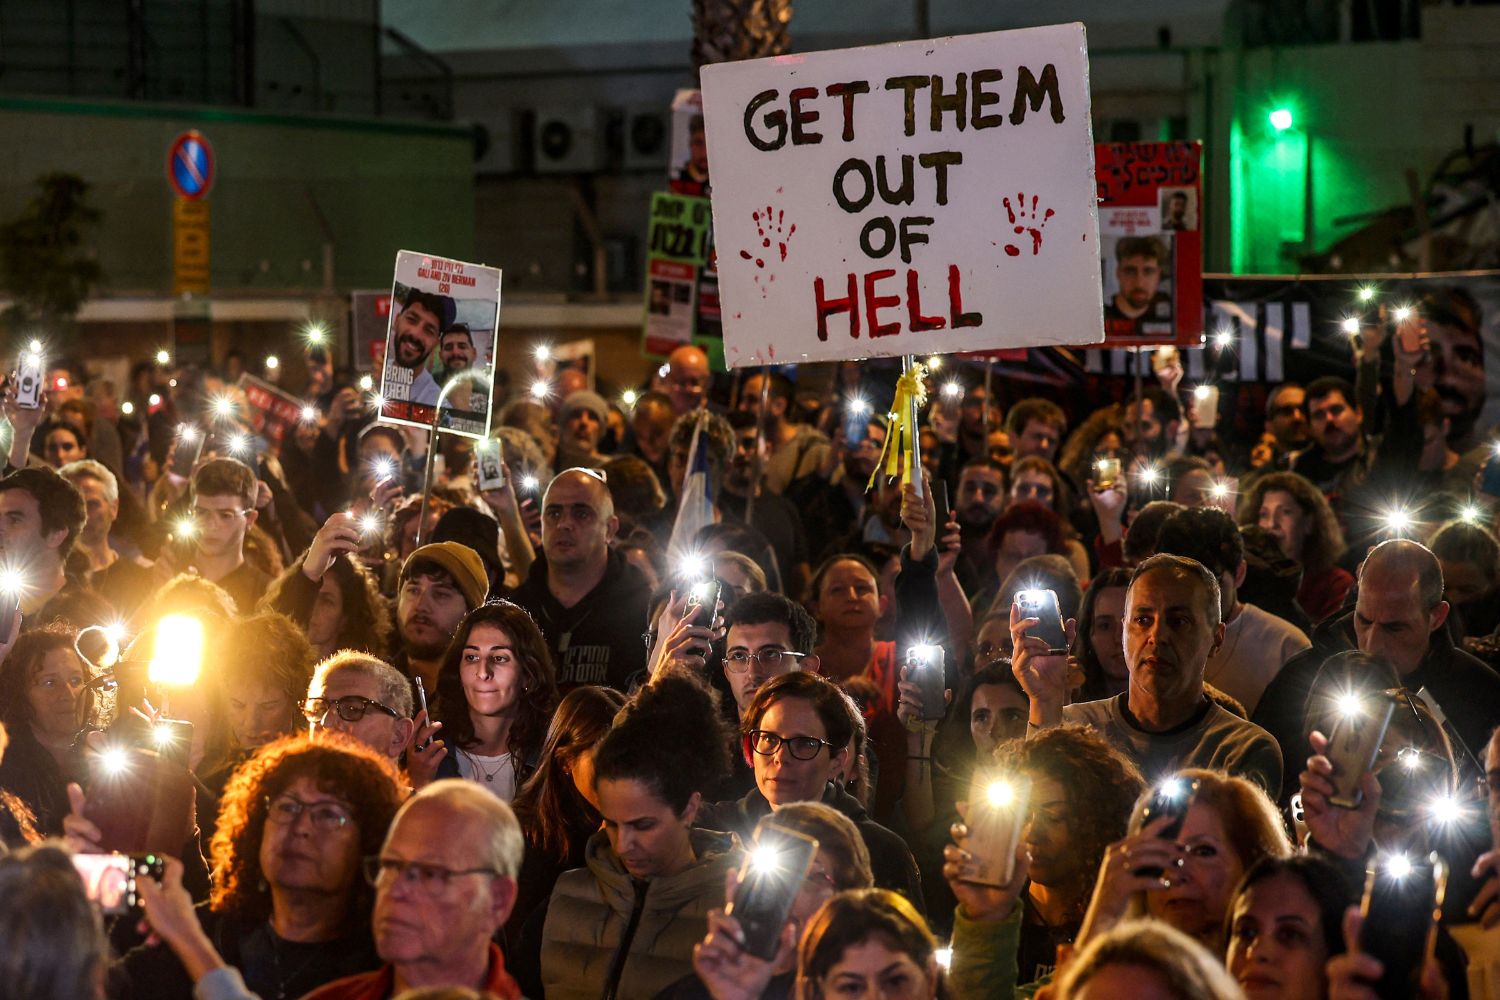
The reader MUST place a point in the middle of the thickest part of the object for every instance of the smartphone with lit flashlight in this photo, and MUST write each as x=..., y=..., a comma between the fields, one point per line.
x=770, y=878
x=1042, y=605
x=925, y=669
x=109, y=880
x=29, y=376
x=1408, y=333
x=1106, y=472
x=140, y=800
x=189, y=447
x=998, y=807
x=1206, y=407
x=1171, y=797
x=705, y=598
x=1402, y=901
x=1354, y=742
x=856, y=425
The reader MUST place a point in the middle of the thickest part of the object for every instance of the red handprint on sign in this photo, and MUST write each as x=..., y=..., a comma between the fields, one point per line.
x=770, y=226
x=1028, y=222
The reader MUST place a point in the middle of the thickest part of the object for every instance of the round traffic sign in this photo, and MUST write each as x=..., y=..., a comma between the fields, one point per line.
x=190, y=165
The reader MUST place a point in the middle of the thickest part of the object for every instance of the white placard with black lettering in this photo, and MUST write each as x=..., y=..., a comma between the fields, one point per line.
x=914, y=198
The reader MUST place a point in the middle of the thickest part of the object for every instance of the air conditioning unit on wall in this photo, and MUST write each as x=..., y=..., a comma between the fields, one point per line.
x=569, y=140
x=647, y=137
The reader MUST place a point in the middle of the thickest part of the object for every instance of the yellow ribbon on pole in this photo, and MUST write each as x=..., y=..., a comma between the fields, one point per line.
x=899, y=454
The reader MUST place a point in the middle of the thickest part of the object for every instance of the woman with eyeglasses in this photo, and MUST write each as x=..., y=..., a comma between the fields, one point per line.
x=796, y=734
x=496, y=690
x=868, y=943
x=45, y=703
x=289, y=907
x=625, y=924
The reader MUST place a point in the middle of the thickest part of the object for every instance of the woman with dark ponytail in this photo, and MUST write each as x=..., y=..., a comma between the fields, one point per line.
x=624, y=925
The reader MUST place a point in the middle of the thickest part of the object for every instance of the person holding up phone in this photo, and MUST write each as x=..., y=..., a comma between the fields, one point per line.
x=1164, y=721
x=723, y=969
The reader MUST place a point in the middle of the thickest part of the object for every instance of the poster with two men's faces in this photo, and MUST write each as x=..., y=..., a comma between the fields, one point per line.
x=441, y=343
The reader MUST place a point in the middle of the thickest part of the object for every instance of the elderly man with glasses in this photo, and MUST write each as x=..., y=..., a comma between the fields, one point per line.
x=364, y=698
x=445, y=881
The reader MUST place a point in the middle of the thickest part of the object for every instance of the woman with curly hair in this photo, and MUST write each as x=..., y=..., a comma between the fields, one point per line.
x=1294, y=512
x=626, y=923
x=289, y=907
x=338, y=608
x=496, y=691
x=1082, y=791
x=45, y=702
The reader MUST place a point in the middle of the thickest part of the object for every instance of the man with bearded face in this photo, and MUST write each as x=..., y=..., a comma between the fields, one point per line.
x=415, y=332
x=1139, y=307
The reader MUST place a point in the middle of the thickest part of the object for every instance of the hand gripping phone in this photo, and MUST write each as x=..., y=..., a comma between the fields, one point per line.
x=110, y=879
x=1354, y=741
x=1107, y=471
x=1042, y=604
x=491, y=472
x=769, y=881
x=998, y=807
x=1403, y=898
x=1171, y=797
x=29, y=376
x=705, y=598
x=925, y=669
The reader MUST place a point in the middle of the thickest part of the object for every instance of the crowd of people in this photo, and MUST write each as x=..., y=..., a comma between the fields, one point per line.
x=1102, y=700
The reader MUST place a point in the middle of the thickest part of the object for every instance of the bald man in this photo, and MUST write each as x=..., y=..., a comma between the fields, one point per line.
x=687, y=379
x=589, y=602
x=1400, y=617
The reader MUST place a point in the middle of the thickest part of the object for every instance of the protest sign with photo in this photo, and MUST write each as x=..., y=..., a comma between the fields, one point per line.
x=921, y=197
x=1150, y=242
x=272, y=411
x=445, y=315
x=677, y=250
x=688, y=163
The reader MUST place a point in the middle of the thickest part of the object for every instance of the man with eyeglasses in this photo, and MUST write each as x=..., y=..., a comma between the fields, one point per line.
x=363, y=697
x=798, y=733
x=588, y=601
x=445, y=881
x=222, y=507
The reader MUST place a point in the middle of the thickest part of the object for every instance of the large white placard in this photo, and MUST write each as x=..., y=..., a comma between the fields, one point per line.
x=915, y=198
